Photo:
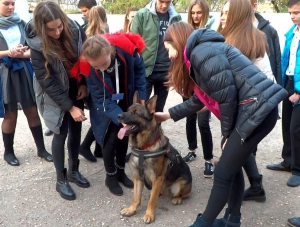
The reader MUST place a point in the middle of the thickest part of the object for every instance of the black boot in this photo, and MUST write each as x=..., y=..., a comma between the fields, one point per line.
x=122, y=177
x=98, y=151
x=37, y=133
x=111, y=181
x=256, y=191
x=228, y=220
x=9, y=155
x=85, y=147
x=63, y=186
x=75, y=176
x=221, y=222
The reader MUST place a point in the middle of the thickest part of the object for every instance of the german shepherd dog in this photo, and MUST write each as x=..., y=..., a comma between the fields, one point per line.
x=154, y=162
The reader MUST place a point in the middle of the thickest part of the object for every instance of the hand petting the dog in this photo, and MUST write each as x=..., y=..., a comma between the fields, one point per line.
x=161, y=116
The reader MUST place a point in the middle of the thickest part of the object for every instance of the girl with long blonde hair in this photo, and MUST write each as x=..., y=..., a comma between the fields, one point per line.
x=198, y=17
x=237, y=18
x=198, y=14
x=96, y=25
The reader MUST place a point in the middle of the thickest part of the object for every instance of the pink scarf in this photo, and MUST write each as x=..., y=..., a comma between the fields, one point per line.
x=211, y=104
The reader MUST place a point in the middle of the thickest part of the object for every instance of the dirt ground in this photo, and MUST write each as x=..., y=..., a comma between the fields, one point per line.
x=28, y=196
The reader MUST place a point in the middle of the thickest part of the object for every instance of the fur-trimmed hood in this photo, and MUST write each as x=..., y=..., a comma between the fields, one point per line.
x=129, y=42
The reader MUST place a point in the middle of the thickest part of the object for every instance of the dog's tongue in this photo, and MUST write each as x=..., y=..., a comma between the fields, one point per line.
x=122, y=131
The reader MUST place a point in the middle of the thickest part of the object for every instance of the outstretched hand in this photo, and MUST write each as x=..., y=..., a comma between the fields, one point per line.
x=77, y=114
x=161, y=116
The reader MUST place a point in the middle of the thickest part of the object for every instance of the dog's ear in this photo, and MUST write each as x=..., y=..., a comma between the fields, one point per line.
x=151, y=104
x=136, y=98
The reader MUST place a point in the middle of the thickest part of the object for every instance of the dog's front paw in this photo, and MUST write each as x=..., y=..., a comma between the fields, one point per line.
x=148, y=218
x=128, y=211
x=177, y=200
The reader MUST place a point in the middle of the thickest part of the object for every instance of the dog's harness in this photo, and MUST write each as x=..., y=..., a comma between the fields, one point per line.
x=143, y=154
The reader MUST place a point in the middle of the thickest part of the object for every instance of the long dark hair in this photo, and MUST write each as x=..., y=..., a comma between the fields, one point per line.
x=177, y=35
x=205, y=13
x=126, y=26
x=240, y=21
x=61, y=48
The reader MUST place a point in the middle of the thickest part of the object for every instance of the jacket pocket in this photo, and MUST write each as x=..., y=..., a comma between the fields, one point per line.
x=53, y=117
x=39, y=95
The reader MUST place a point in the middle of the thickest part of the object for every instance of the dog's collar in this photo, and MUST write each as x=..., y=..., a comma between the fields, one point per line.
x=145, y=146
x=148, y=154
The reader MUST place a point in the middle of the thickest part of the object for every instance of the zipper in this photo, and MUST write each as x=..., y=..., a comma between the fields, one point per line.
x=242, y=139
x=151, y=71
x=246, y=101
x=106, y=131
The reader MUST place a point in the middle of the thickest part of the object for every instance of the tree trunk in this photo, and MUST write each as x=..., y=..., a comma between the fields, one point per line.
x=276, y=8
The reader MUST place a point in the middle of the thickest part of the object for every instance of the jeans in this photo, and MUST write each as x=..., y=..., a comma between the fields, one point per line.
x=228, y=176
x=156, y=80
x=205, y=133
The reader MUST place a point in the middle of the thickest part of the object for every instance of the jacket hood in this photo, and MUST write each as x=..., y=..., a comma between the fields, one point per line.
x=32, y=39
x=151, y=6
x=262, y=22
x=127, y=41
x=202, y=35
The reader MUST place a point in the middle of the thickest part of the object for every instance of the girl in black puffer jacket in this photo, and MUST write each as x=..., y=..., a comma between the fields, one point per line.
x=237, y=92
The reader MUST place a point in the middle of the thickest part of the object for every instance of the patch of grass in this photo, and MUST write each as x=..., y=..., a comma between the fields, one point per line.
x=72, y=11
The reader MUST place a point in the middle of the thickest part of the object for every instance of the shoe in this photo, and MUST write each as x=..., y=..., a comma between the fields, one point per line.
x=75, y=176
x=63, y=187
x=98, y=151
x=200, y=222
x=208, y=170
x=221, y=222
x=127, y=157
x=85, y=147
x=256, y=191
x=87, y=154
x=45, y=155
x=48, y=132
x=295, y=222
x=294, y=181
x=9, y=155
x=111, y=181
x=278, y=167
x=122, y=177
x=11, y=159
x=189, y=157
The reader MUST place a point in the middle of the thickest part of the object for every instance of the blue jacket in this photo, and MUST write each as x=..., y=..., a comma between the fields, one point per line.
x=104, y=110
x=285, y=58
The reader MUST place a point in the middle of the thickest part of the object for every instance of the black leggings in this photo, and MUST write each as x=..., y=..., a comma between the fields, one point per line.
x=114, y=148
x=72, y=129
x=228, y=176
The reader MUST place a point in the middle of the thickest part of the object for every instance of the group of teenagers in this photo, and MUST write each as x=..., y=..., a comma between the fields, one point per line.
x=57, y=67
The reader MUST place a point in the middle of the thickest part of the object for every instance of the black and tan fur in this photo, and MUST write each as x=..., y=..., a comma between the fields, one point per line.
x=175, y=181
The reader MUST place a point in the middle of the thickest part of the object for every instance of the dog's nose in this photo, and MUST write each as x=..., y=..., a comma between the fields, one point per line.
x=120, y=116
